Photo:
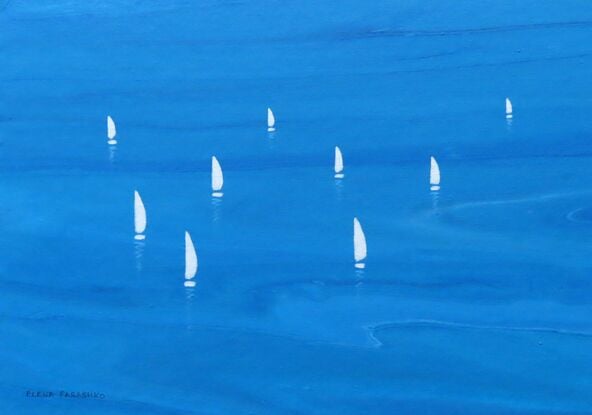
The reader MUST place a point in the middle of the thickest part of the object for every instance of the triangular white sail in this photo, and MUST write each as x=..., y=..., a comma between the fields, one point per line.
x=338, y=162
x=508, y=108
x=111, y=130
x=139, y=216
x=360, y=250
x=270, y=120
x=217, y=177
x=434, y=174
x=190, y=260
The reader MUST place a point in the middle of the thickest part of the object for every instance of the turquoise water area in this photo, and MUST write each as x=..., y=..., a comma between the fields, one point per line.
x=476, y=299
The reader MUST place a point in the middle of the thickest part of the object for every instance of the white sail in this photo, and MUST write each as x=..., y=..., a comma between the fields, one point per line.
x=139, y=216
x=111, y=130
x=359, y=243
x=217, y=177
x=508, y=108
x=338, y=160
x=190, y=258
x=270, y=120
x=434, y=172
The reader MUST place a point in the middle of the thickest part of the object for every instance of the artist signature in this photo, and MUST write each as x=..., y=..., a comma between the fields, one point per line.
x=64, y=394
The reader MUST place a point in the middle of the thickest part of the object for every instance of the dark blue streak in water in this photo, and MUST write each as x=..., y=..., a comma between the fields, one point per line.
x=477, y=300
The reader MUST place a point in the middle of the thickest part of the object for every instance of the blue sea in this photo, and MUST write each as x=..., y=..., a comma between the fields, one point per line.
x=476, y=299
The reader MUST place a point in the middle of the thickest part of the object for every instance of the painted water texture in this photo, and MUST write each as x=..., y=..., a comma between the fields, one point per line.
x=295, y=207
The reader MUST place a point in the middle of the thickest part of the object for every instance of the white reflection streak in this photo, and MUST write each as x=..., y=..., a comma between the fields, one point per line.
x=339, y=186
x=139, y=253
x=216, y=208
x=189, y=295
x=112, y=153
x=435, y=199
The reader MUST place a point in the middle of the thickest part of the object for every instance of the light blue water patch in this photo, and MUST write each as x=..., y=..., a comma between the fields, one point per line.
x=475, y=299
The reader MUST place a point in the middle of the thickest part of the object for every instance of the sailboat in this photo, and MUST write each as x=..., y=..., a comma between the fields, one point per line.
x=139, y=217
x=111, y=131
x=270, y=120
x=217, y=178
x=434, y=174
x=508, y=108
x=190, y=261
x=360, y=250
x=338, y=163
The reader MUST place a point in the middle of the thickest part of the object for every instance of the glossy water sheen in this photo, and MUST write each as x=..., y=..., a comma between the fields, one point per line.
x=476, y=299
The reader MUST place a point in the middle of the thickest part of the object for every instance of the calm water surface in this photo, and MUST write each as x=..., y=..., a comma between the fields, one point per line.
x=475, y=299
